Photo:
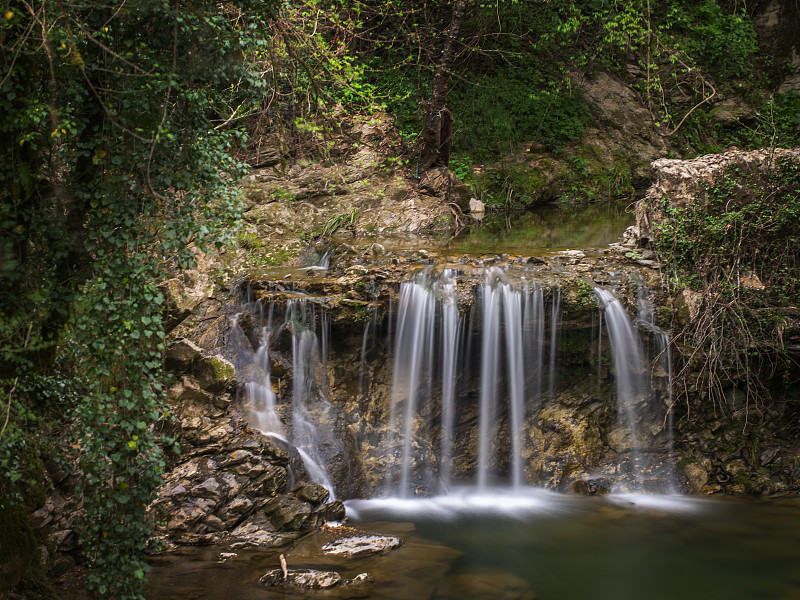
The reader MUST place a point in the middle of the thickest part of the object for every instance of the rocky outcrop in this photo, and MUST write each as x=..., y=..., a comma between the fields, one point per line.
x=360, y=189
x=570, y=437
x=677, y=183
x=358, y=546
x=230, y=483
x=628, y=139
x=733, y=424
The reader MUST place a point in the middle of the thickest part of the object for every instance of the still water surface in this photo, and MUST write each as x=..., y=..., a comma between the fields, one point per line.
x=552, y=546
x=546, y=228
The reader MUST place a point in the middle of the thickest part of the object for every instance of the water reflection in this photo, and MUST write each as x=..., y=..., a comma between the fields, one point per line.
x=551, y=227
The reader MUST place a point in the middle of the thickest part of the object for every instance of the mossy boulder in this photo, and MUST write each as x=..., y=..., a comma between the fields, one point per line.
x=213, y=373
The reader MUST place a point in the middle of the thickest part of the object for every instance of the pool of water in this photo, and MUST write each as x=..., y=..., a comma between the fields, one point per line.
x=616, y=548
x=546, y=228
x=531, y=544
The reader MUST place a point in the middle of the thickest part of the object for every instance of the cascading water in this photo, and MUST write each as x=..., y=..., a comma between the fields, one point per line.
x=629, y=372
x=450, y=344
x=490, y=363
x=662, y=366
x=307, y=371
x=309, y=365
x=555, y=314
x=511, y=326
x=636, y=400
x=415, y=322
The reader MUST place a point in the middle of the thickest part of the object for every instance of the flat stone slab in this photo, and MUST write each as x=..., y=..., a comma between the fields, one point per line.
x=310, y=579
x=301, y=578
x=362, y=545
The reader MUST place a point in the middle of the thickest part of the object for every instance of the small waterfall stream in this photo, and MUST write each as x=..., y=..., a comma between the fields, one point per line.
x=309, y=366
x=508, y=323
x=629, y=372
x=508, y=327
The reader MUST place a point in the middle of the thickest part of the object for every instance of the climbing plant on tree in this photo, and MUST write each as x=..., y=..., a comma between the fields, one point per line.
x=116, y=140
x=437, y=126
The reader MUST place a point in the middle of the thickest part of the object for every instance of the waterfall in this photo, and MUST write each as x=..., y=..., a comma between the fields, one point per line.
x=467, y=395
x=534, y=342
x=306, y=372
x=490, y=360
x=415, y=323
x=662, y=367
x=512, y=304
x=260, y=392
x=555, y=315
x=510, y=324
x=451, y=334
x=308, y=381
x=362, y=368
x=629, y=372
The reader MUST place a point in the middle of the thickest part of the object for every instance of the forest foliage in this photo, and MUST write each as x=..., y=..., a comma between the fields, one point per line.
x=119, y=139
x=737, y=246
x=118, y=166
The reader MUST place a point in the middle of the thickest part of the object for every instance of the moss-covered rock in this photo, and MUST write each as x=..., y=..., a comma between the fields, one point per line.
x=213, y=373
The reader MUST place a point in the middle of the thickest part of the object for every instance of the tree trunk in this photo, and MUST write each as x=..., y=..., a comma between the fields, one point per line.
x=438, y=123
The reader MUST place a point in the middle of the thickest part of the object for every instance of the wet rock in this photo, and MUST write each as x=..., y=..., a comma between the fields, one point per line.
x=237, y=457
x=476, y=206
x=571, y=257
x=590, y=487
x=187, y=392
x=737, y=489
x=190, y=513
x=696, y=477
x=312, y=492
x=301, y=578
x=333, y=511
x=258, y=532
x=65, y=540
x=376, y=249
x=769, y=454
x=273, y=481
x=177, y=492
x=652, y=264
x=358, y=546
x=214, y=523
x=737, y=469
x=232, y=512
x=290, y=514
x=210, y=488
x=41, y=517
